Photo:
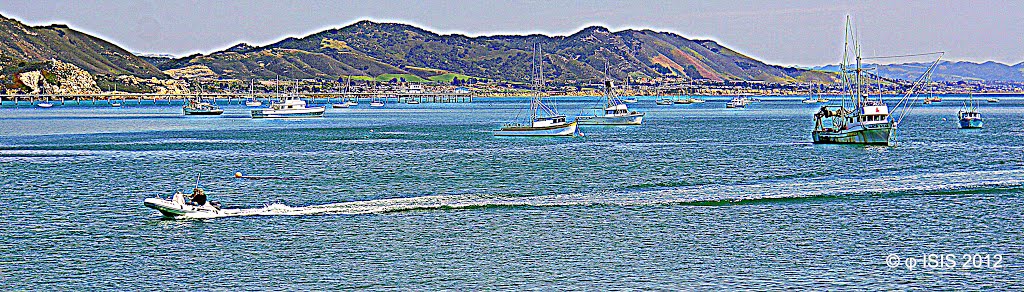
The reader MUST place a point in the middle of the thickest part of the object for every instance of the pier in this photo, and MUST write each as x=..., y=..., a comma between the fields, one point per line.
x=29, y=100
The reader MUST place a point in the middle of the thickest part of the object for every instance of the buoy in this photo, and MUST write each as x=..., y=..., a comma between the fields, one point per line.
x=238, y=175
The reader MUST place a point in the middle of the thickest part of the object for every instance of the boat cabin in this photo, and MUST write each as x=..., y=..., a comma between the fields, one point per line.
x=289, y=104
x=549, y=121
x=968, y=115
x=616, y=110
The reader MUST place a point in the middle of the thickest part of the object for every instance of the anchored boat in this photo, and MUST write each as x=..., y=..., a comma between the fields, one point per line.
x=197, y=107
x=869, y=121
x=544, y=120
x=288, y=108
x=969, y=116
x=737, y=102
x=616, y=113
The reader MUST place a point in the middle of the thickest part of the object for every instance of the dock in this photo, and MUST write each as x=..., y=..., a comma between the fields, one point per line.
x=29, y=100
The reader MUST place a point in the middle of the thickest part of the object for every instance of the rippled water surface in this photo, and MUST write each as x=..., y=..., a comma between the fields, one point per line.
x=423, y=197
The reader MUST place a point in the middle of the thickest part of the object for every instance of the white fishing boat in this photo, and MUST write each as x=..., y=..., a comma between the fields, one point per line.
x=737, y=102
x=616, y=113
x=682, y=101
x=992, y=100
x=544, y=120
x=870, y=120
x=696, y=100
x=288, y=108
x=809, y=100
x=630, y=99
x=664, y=101
x=340, y=105
x=376, y=103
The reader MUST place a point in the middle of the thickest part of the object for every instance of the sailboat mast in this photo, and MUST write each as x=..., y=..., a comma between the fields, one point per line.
x=534, y=106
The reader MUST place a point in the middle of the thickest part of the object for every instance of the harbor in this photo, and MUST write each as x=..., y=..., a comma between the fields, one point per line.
x=29, y=100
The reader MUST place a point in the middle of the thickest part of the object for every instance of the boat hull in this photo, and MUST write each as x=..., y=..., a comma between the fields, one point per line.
x=315, y=112
x=627, y=120
x=972, y=123
x=878, y=134
x=204, y=113
x=565, y=130
x=172, y=209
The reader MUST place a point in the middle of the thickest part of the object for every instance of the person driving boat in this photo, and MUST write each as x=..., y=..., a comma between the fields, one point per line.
x=198, y=196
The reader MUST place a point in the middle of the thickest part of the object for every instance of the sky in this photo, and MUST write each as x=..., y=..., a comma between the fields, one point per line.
x=803, y=33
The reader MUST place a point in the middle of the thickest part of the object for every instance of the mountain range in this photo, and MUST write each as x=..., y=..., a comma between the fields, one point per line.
x=385, y=51
x=369, y=48
x=23, y=45
x=947, y=71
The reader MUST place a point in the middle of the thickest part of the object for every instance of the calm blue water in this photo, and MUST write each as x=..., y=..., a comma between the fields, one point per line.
x=423, y=197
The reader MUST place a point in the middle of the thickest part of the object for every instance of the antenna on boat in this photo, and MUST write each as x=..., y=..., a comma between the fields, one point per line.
x=197, y=179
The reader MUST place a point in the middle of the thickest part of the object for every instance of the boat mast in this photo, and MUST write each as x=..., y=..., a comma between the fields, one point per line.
x=535, y=102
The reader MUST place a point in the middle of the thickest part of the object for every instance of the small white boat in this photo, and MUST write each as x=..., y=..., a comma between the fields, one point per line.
x=253, y=103
x=629, y=100
x=290, y=108
x=696, y=100
x=340, y=105
x=738, y=102
x=683, y=101
x=176, y=206
x=664, y=101
x=992, y=99
x=44, y=104
x=352, y=102
x=412, y=101
x=376, y=103
x=115, y=104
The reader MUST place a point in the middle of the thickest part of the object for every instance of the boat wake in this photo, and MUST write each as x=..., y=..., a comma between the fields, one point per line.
x=712, y=194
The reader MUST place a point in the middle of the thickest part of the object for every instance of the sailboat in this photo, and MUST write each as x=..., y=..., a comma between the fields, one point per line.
x=251, y=100
x=46, y=103
x=869, y=121
x=969, y=116
x=376, y=103
x=544, y=120
x=616, y=113
x=114, y=103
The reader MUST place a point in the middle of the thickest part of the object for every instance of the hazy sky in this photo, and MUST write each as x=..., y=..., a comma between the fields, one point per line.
x=778, y=32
